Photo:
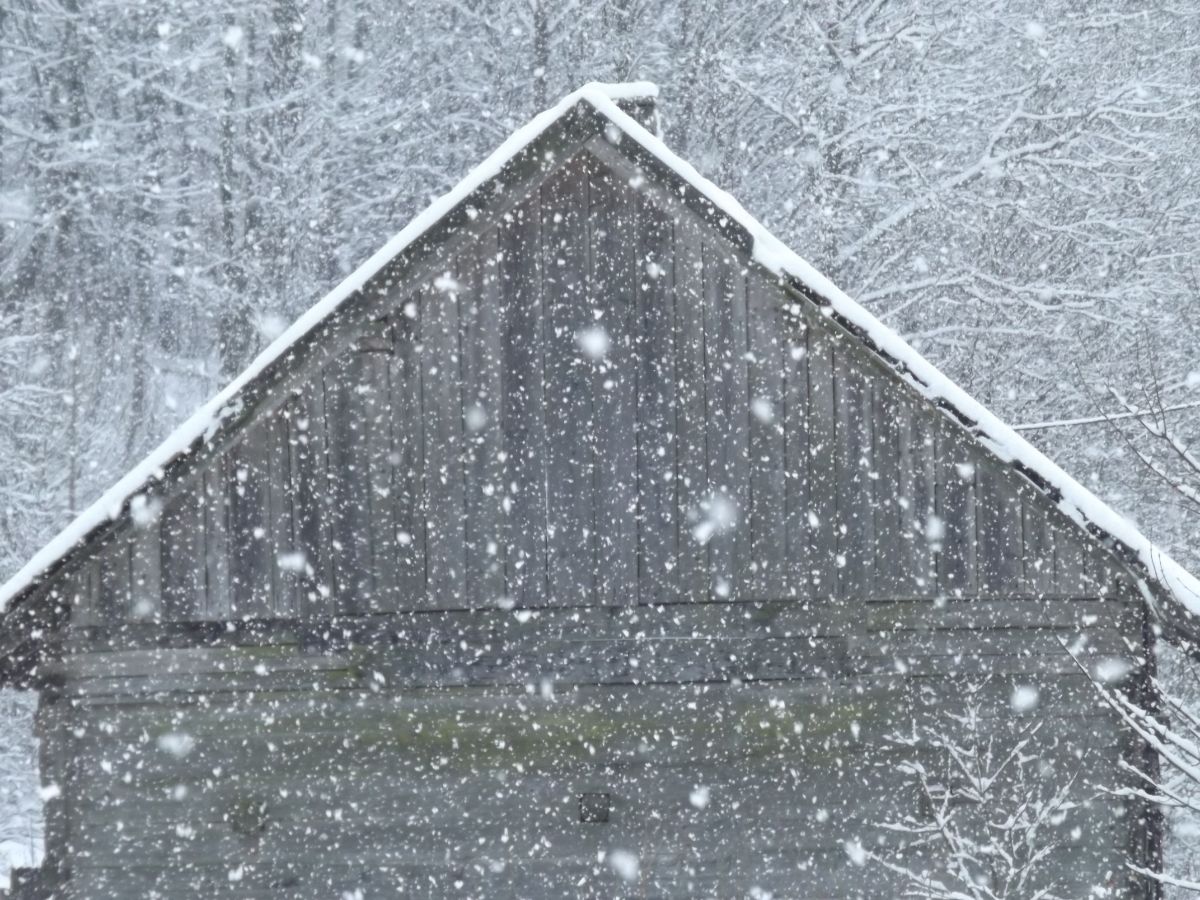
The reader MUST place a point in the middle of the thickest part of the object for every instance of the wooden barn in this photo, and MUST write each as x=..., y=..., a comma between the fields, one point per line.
x=585, y=543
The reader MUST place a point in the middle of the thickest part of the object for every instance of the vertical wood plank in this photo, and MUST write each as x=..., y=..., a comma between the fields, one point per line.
x=114, y=595
x=146, y=566
x=890, y=549
x=216, y=543
x=1103, y=571
x=767, y=519
x=280, y=527
x=725, y=348
x=1070, y=560
x=658, y=519
x=523, y=404
x=999, y=536
x=822, y=470
x=348, y=461
x=82, y=591
x=797, y=437
x=359, y=449
x=611, y=298
x=956, y=510
x=182, y=553
x=1038, y=544
x=373, y=406
x=408, y=457
x=1097, y=577
x=855, y=531
x=311, y=500
x=442, y=414
x=483, y=381
x=921, y=529
x=280, y=515
x=251, y=564
x=691, y=480
x=570, y=421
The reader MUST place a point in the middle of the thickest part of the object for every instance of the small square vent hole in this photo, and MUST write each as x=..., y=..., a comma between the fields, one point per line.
x=594, y=807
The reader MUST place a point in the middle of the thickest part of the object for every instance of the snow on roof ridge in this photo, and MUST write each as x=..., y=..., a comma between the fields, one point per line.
x=1076, y=500
x=622, y=90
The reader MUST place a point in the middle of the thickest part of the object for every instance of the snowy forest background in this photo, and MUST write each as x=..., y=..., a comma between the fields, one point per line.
x=1011, y=185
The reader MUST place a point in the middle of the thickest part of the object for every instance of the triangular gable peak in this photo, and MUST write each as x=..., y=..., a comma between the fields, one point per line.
x=587, y=158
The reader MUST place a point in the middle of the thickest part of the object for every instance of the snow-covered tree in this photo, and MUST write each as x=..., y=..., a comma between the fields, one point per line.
x=21, y=827
x=1168, y=775
x=990, y=813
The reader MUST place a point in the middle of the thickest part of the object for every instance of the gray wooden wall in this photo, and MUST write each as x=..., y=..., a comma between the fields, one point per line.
x=463, y=573
x=443, y=754
x=468, y=453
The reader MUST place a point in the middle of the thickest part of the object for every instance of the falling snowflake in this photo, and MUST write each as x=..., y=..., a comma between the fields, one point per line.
x=625, y=864
x=856, y=852
x=1025, y=697
x=717, y=514
x=294, y=561
x=233, y=37
x=1112, y=669
x=144, y=510
x=763, y=409
x=594, y=342
x=176, y=744
x=475, y=417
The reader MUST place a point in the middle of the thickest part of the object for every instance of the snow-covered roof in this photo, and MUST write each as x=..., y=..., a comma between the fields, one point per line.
x=1073, y=499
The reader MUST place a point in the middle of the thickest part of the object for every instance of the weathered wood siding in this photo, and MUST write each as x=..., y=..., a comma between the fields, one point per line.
x=462, y=572
x=437, y=754
x=466, y=452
